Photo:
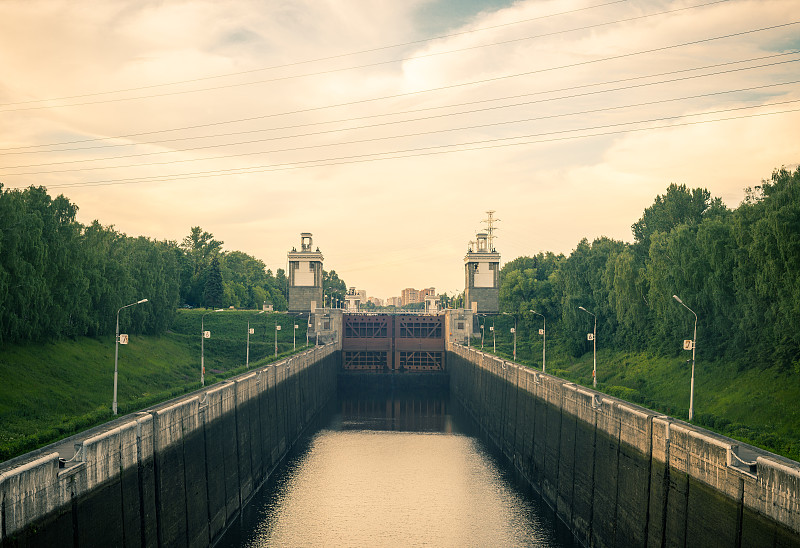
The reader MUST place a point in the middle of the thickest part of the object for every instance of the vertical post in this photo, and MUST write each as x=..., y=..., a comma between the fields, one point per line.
x=594, y=354
x=691, y=388
x=694, y=346
x=116, y=358
x=515, y=338
x=544, y=338
x=116, y=353
x=247, y=358
x=202, y=350
x=594, y=348
x=544, y=341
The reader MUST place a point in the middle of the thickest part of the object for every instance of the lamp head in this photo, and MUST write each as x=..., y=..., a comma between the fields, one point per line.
x=142, y=301
x=583, y=309
x=677, y=299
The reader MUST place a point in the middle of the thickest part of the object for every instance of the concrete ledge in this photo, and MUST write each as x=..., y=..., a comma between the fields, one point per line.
x=642, y=464
x=29, y=492
x=776, y=497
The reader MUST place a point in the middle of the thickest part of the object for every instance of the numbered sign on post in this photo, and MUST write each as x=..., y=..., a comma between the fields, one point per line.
x=252, y=330
x=206, y=334
x=513, y=330
x=277, y=327
x=590, y=336
x=541, y=332
x=687, y=344
x=123, y=338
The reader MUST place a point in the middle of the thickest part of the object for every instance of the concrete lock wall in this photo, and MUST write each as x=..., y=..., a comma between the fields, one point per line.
x=621, y=475
x=174, y=475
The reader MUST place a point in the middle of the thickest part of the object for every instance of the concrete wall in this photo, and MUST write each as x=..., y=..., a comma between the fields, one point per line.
x=621, y=475
x=175, y=475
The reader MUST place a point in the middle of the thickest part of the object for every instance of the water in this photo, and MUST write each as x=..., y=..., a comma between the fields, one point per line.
x=395, y=470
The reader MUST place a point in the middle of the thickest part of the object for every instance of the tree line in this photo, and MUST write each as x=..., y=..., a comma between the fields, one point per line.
x=737, y=269
x=59, y=278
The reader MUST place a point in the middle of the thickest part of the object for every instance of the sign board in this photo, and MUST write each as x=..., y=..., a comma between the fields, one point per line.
x=123, y=338
x=295, y=326
x=491, y=328
x=541, y=332
x=513, y=330
x=252, y=331
x=206, y=334
x=687, y=344
x=277, y=328
x=590, y=336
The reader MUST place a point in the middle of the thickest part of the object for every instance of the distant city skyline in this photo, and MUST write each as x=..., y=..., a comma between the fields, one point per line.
x=388, y=129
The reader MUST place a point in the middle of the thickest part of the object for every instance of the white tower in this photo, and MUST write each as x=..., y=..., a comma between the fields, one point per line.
x=305, y=276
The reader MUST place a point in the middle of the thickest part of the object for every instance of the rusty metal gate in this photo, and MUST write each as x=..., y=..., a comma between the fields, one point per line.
x=391, y=343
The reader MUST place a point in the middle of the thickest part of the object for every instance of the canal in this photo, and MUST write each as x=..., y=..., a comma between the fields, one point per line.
x=395, y=468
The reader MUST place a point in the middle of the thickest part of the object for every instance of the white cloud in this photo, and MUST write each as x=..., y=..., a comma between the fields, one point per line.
x=386, y=225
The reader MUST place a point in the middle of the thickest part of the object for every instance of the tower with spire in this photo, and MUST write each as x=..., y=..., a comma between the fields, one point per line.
x=305, y=276
x=482, y=271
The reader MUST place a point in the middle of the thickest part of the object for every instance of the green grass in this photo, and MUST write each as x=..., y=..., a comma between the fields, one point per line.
x=754, y=405
x=52, y=390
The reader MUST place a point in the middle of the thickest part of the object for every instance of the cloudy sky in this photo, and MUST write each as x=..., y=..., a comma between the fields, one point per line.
x=388, y=129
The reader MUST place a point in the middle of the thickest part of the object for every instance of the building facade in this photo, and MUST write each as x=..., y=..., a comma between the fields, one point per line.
x=305, y=276
x=482, y=277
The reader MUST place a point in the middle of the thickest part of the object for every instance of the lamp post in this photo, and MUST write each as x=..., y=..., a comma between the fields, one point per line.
x=494, y=340
x=116, y=354
x=250, y=332
x=514, y=331
x=594, y=348
x=543, y=332
x=294, y=338
x=694, y=345
x=203, y=336
x=483, y=328
x=277, y=328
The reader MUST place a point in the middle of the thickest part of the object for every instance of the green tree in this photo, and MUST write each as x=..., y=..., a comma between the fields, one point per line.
x=199, y=249
x=213, y=292
x=333, y=285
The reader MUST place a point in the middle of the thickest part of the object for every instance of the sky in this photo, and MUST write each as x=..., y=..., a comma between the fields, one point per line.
x=388, y=129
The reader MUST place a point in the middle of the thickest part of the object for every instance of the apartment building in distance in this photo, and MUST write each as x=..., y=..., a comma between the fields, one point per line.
x=410, y=295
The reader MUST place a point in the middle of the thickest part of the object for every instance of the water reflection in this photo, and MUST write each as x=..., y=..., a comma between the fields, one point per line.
x=400, y=411
x=394, y=469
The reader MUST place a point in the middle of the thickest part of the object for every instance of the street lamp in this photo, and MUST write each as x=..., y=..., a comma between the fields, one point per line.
x=116, y=353
x=514, y=331
x=494, y=340
x=594, y=348
x=203, y=336
x=483, y=328
x=277, y=328
x=694, y=345
x=543, y=333
x=250, y=331
x=294, y=338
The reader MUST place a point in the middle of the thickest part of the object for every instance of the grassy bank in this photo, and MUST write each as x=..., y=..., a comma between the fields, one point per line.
x=53, y=390
x=754, y=405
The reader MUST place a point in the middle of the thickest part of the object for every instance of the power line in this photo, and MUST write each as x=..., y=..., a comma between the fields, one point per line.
x=427, y=151
x=328, y=58
x=12, y=150
x=418, y=134
x=413, y=58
